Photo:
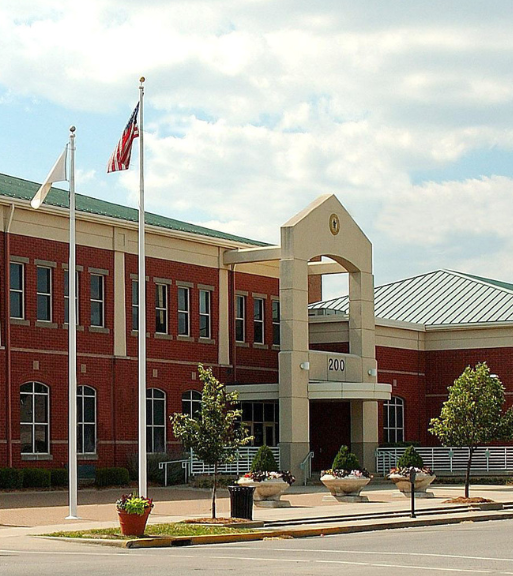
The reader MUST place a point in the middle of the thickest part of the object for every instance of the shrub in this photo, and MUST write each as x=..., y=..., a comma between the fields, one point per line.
x=207, y=482
x=264, y=461
x=11, y=478
x=111, y=477
x=59, y=477
x=345, y=460
x=410, y=458
x=36, y=478
x=175, y=472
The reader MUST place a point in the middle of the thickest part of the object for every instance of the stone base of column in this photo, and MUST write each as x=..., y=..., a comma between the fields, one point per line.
x=291, y=456
x=366, y=454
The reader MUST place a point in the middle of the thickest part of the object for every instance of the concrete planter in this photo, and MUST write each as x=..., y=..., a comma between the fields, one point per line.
x=422, y=481
x=268, y=492
x=346, y=489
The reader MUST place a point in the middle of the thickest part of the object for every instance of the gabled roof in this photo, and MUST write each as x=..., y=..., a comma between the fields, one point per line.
x=442, y=297
x=13, y=187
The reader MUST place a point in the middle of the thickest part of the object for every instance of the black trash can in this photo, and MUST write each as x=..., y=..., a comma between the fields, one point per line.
x=241, y=501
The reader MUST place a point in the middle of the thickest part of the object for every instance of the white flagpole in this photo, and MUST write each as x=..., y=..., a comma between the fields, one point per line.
x=72, y=329
x=143, y=482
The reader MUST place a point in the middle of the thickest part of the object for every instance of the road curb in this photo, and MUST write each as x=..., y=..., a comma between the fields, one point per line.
x=174, y=541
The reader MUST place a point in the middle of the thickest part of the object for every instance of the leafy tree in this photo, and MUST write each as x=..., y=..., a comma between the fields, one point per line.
x=472, y=415
x=345, y=460
x=410, y=458
x=264, y=461
x=214, y=433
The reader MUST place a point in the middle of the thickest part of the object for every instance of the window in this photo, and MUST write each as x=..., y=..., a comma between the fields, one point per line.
x=258, y=320
x=204, y=313
x=191, y=403
x=34, y=418
x=393, y=419
x=240, y=315
x=155, y=420
x=66, y=296
x=97, y=300
x=262, y=420
x=161, y=313
x=17, y=289
x=135, y=305
x=276, y=322
x=183, y=311
x=44, y=294
x=86, y=420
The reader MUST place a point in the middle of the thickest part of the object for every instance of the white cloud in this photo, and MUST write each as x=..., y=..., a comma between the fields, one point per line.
x=255, y=107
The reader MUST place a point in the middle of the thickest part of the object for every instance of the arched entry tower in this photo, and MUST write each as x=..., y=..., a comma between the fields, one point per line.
x=324, y=228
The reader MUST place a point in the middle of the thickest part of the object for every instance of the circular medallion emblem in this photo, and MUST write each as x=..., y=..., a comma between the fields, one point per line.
x=334, y=224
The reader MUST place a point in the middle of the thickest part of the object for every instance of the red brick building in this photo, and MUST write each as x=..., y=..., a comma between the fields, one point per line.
x=215, y=298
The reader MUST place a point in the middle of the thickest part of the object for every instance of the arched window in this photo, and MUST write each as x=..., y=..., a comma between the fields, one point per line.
x=393, y=419
x=191, y=403
x=86, y=420
x=35, y=418
x=155, y=420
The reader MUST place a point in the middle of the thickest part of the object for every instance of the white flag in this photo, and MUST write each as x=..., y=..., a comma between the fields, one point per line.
x=57, y=174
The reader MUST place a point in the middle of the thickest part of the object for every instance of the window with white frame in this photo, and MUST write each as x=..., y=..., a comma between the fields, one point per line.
x=66, y=297
x=44, y=294
x=97, y=300
x=240, y=318
x=135, y=305
x=393, y=419
x=183, y=311
x=86, y=420
x=191, y=403
x=161, y=310
x=205, y=314
x=34, y=418
x=17, y=288
x=276, y=322
x=258, y=321
x=155, y=420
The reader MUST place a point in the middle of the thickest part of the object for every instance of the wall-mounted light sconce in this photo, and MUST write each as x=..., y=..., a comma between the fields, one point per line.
x=372, y=372
x=305, y=365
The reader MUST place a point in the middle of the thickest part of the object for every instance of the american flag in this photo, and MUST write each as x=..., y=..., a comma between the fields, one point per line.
x=120, y=159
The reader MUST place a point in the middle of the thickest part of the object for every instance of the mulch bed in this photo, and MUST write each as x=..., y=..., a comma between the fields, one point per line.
x=463, y=500
x=216, y=521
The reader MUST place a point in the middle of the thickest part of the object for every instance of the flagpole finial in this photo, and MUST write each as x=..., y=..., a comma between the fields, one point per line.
x=142, y=79
x=72, y=129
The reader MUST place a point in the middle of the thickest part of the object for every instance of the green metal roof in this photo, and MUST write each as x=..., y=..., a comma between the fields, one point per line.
x=498, y=283
x=20, y=189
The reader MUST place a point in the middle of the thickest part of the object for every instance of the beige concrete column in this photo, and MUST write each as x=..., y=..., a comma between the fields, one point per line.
x=364, y=431
x=362, y=322
x=119, y=305
x=224, y=319
x=293, y=386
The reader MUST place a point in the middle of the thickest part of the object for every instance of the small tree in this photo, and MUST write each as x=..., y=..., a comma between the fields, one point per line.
x=264, y=461
x=214, y=434
x=345, y=460
x=410, y=458
x=472, y=415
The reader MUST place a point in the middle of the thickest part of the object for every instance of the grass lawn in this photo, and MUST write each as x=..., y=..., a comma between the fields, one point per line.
x=175, y=529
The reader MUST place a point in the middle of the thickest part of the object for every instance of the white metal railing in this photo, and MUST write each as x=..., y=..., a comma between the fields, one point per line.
x=306, y=467
x=450, y=459
x=240, y=465
x=185, y=467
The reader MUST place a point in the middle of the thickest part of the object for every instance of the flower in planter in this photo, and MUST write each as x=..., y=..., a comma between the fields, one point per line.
x=405, y=470
x=262, y=476
x=341, y=473
x=131, y=504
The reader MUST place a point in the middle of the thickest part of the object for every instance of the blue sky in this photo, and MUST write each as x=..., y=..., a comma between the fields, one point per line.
x=253, y=108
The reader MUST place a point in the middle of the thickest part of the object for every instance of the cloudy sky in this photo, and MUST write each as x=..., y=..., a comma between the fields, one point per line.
x=253, y=108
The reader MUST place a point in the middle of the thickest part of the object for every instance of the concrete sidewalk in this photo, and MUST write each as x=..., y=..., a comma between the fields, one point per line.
x=24, y=513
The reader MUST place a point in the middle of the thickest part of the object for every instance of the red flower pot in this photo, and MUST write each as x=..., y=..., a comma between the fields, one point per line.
x=133, y=524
